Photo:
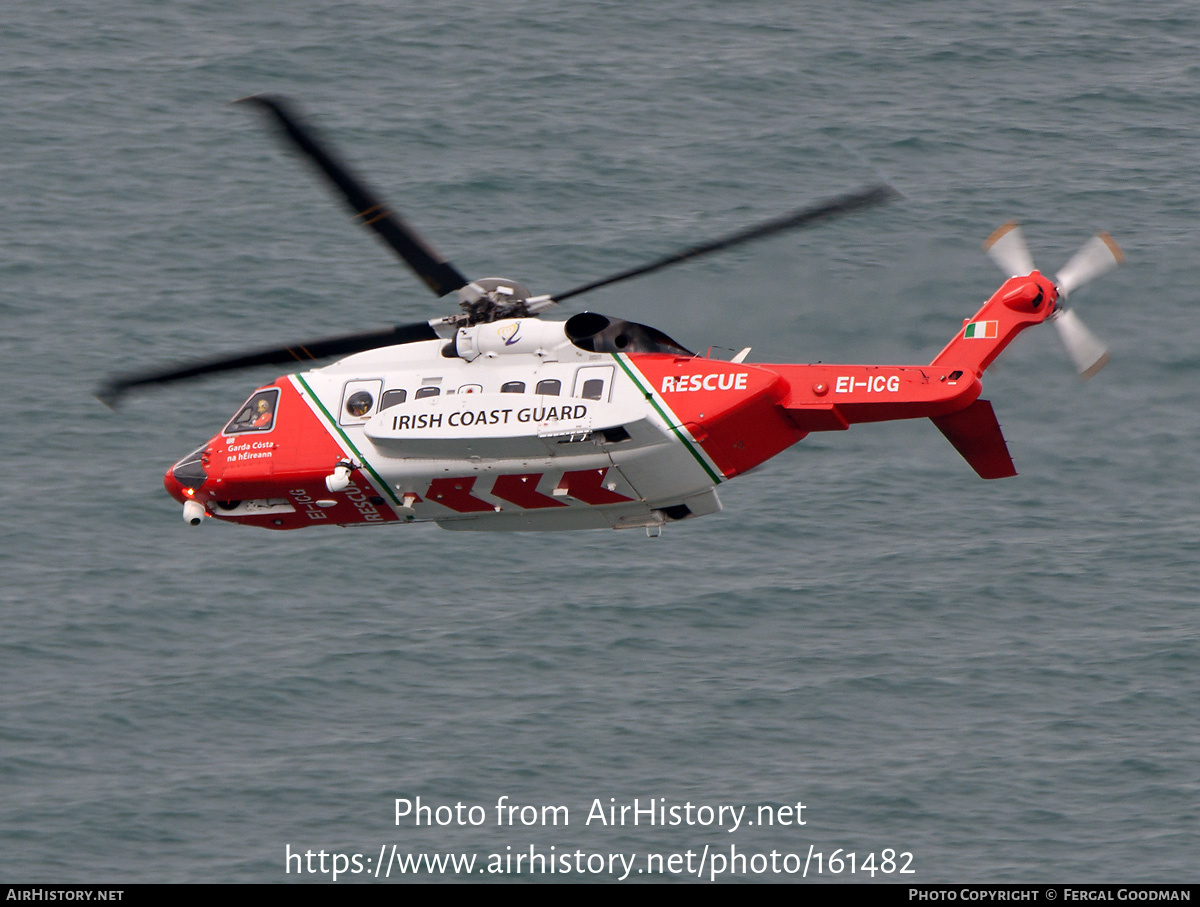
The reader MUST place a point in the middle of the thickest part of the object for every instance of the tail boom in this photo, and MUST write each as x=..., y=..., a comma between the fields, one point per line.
x=833, y=397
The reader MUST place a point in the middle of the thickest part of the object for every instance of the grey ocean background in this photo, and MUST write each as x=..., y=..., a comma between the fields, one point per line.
x=1000, y=678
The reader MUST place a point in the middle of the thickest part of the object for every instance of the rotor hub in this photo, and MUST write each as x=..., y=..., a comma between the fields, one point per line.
x=494, y=299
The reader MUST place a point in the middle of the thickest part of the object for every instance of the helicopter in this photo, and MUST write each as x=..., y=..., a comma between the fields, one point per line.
x=494, y=419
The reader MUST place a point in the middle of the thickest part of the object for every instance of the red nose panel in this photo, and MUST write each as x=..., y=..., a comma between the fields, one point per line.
x=287, y=466
x=174, y=489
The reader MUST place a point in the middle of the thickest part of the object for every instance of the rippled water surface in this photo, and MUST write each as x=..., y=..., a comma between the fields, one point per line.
x=997, y=677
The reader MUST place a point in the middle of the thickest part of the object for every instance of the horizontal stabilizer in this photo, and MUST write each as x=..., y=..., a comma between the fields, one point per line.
x=976, y=435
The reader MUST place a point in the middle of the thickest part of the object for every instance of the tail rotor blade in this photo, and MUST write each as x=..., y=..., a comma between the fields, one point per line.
x=1087, y=353
x=1008, y=249
x=1099, y=255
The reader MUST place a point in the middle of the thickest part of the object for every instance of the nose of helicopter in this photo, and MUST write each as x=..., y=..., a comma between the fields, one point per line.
x=174, y=486
x=186, y=477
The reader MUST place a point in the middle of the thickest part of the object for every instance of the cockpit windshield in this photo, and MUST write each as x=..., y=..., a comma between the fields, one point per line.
x=258, y=413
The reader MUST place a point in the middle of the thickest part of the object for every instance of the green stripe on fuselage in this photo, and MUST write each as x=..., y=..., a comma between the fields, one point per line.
x=677, y=429
x=361, y=459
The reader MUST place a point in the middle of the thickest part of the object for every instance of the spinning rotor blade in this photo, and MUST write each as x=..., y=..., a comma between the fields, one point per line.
x=1087, y=353
x=112, y=389
x=1008, y=249
x=1099, y=255
x=805, y=217
x=429, y=264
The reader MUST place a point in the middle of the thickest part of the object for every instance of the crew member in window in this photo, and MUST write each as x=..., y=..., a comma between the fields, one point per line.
x=359, y=404
x=263, y=416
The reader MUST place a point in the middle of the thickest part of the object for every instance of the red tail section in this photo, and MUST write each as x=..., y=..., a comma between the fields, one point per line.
x=1020, y=302
x=829, y=398
x=742, y=415
x=976, y=435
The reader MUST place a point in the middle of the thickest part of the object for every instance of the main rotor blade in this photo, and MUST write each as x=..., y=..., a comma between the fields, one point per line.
x=428, y=263
x=805, y=217
x=111, y=390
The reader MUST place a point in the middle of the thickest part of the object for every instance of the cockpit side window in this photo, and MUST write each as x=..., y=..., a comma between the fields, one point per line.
x=258, y=413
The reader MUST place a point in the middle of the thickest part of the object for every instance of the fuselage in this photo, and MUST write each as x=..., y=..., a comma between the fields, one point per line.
x=531, y=432
x=589, y=423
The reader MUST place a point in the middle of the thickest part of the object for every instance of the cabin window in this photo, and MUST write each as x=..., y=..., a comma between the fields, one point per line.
x=471, y=389
x=551, y=387
x=359, y=404
x=392, y=398
x=512, y=387
x=427, y=392
x=593, y=389
x=358, y=400
x=592, y=382
x=257, y=414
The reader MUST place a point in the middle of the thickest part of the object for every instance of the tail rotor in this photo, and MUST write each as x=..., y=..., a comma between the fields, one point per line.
x=1098, y=256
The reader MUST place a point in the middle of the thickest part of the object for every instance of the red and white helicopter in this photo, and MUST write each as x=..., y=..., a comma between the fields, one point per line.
x=493, y=419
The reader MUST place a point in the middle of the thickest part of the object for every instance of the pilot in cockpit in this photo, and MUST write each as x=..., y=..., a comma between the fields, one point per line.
x=262, y=414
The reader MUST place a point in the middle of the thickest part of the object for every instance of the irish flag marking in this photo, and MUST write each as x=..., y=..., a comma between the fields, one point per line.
x=984, y=330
